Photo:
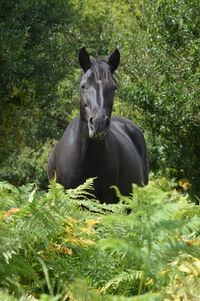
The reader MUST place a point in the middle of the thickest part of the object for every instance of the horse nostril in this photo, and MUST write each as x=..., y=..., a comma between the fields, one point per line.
x=91, y=119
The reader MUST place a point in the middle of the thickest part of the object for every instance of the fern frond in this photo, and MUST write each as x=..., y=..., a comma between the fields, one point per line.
x=125, y=276
x=153, y=249
x=8, y=195
x=83, y=191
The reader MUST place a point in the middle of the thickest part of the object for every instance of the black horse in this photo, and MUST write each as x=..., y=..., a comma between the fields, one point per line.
x=112, y=149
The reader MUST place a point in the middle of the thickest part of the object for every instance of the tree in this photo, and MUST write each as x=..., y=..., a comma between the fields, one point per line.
x=163, y=74
x=35, y=55
x=158, y=77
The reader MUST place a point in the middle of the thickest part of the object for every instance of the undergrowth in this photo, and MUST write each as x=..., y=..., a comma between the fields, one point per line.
x=58, y=245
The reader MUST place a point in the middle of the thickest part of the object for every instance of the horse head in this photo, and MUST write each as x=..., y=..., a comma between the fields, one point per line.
x=97, y=89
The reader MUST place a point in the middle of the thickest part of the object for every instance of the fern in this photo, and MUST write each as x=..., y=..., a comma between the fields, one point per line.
x=152, y=236
x=51, y=241
x=125, y=276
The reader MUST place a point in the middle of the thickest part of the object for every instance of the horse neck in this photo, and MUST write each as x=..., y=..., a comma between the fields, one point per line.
x=88, y=147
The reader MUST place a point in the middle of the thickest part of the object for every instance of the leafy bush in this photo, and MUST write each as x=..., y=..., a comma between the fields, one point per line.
x=58, y=245
x=159, y=73
x=161, y=82
x=29, y=166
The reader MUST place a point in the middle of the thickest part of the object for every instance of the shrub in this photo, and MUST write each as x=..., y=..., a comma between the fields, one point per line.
x=30, y=166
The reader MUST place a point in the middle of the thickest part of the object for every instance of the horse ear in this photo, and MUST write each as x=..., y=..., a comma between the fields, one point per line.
x=84, y=59
x=114, y=60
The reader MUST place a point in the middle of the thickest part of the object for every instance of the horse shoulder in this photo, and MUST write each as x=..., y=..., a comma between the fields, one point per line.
x=61, y=155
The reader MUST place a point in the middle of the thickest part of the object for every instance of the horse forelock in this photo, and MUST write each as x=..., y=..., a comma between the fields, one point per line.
x=99, y=70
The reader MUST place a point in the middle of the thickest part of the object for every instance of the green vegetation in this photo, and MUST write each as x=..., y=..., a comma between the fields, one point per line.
x=54, y=246
x=158, y=78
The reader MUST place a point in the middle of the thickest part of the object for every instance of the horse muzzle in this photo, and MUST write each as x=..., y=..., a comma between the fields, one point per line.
x=98, y=127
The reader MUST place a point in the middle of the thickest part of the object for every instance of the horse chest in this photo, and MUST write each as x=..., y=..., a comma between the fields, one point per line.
x=104, y=172
x=100, y=165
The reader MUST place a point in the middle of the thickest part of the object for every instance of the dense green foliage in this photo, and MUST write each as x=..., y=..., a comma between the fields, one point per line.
x=158, y=78
x=54, y=246
x=36, y=46
x=163, y=84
